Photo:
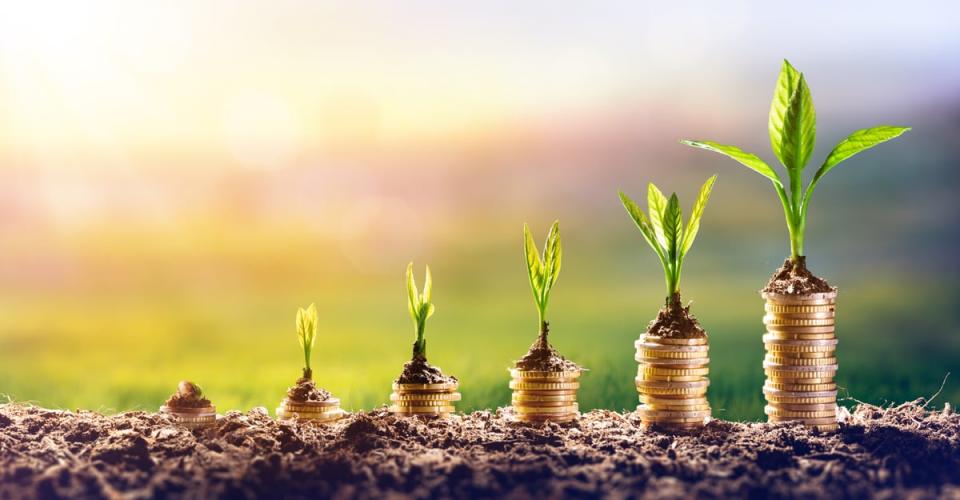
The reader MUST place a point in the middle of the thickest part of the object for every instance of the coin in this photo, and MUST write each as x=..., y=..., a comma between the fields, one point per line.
x=559, y=419
x=770, y=320
x=772, y=307
x=422, y=408
x=561, y=410
x=425, y=396
x=793, y=369
x=445, y=386
x=800, y=387
x=666, y=348
x=673, y=363
x=543, y=386
x=669, y=341
x=664, y=354
x=831, y=405
x=309, y=405
x=516, y=373
x=673, y=372
x=805, y=299
x=778, y=412
x=799, y=394
x=781, y=361
x=831, y=420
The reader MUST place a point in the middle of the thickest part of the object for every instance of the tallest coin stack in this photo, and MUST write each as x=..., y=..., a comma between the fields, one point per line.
x=800, y=364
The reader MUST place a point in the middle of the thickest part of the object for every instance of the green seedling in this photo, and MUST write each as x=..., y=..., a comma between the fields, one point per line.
x=421, y=308
x=793, y=130
x=307, y=334
x=543, y=270
x=664, y=229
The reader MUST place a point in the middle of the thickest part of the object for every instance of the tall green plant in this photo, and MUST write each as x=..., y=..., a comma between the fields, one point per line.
x=793, y=131
x=664, y=230
x=543, y=270
x=420, y=307
x=307, y=334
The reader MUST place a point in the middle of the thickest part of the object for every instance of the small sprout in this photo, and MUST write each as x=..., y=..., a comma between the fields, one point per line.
x=664, y=229
x=420, y=309
x=306, y=334
x=188, y=390
x=793, y=131
x=543, y=270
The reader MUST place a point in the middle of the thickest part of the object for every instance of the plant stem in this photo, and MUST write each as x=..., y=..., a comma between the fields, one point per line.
x=544, y=332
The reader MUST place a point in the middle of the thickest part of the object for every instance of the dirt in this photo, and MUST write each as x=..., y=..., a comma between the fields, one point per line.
x=418, y=371
x=306, y=391
x=675, y=321
x=795, y=279
x=904, y=451
x=188, y=395
x=542, y=356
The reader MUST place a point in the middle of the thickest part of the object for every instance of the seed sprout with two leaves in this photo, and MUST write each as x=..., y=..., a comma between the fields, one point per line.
x=664, y=230
x=793, y=129
x=543, y=270
x=421, y=308
x=307, y=334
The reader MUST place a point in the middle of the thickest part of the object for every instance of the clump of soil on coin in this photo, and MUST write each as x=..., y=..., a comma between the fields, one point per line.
x=306, y=391
x=542, y=357
x=901, y=452
x=419, y=371
x=675, y=321
x=795, y=279
x=188, y=395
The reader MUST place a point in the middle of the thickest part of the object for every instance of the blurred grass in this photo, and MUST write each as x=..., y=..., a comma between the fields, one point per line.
x=122, y=342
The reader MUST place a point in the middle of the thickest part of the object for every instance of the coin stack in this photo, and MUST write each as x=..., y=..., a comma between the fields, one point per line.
x=800, y=364
x=427, y=400
x=323, y=412
x=540, y=396
x=672, y=381
x=192, y=418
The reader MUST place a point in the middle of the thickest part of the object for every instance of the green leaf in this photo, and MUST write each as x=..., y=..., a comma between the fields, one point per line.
x=657, y=206
x=673, y=226
x=643, y=224
x=534, y=264
x=787, y=83
x=427, y=287
x=552, y=254
x=749, y=160
x=799, y=132
x=413, y=299
x=698, y=207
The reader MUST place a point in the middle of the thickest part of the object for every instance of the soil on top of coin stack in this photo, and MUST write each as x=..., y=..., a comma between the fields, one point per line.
x=418, y=371
x=306, y=391
x=188, y=395
x=796, y=279
x=906, y=451
x=675, y=322
x=542, y=357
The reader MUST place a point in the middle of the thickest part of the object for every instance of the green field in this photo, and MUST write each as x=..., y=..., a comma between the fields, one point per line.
x=123, y=345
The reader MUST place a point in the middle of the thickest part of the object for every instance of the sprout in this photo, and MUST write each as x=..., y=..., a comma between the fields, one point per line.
x=306, y=334
x=543, y=270
x=793, y=130
x=664, y=229
x=420, y=309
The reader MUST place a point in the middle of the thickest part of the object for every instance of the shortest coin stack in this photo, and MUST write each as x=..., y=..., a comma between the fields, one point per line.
x=192, y=418
x=672, y=381
x=801, y=359
x=314, y=411
x=545, y=396
x=427, y=400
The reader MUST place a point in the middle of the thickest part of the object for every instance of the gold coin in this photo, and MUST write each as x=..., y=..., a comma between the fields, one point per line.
x=800, y=337
x=671, y=392
x=777, y=412
x=544, y=386
x=422, y=409
x=673, y=372
x=646, y=410
x=795, y=387
x=536, y=398
x=794, y=345
x=445, y=386
x=801, y=322
x=649, y=420
x=314, y=417
x=565, y=393
x=669, y=378
x=202, y=410
x=425, y=396
x=667, y=348
x=825, y=428
x=551, y=376
x=831, y=420
x=661, y=354
x=674, y=400
x=559, y=419
x=781, y=361
x=799, y=329
x=309, y=405
x=791, y=381
x=805, y=406
x=697, y=384
x=799, y=394
x=653, y=339
x=830, y=314
x=541, y=404
x=673, y=408
x=802, y=355
x=798, y=309
x=559, y=410
x=793, y=369
x=781, y=400
x=673, y=363
x=804, y=300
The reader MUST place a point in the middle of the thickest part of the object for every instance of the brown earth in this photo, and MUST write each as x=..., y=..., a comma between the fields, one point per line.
x=188, y=395
x=904, y=451
x=542, y=356
x=418, y=371
x=306, y=391
x=675, y=321
x=796, y=279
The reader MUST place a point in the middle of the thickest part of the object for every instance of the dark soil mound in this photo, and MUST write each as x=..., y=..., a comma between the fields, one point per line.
x=675, y=321
x=307, y=391
x=793, y=279
x=188, y=395
x=418, y=371
x=898, y=452
x=542, y=357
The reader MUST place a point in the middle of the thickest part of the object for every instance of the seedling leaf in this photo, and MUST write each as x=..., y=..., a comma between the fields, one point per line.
x=544, y=270
x=420, y=307
x=787, y=83
x=673, y=226
x=657, y=206
x=646, y=229
x=799, y=131
x=698, y=207
x=307, y=333
x=748, y=160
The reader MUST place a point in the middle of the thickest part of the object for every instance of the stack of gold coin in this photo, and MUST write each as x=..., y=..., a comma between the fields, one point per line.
x=540, y=396
x=192, y=418
x=672, y=381
x=324, y=412
x=801, y=362
x=427, y=400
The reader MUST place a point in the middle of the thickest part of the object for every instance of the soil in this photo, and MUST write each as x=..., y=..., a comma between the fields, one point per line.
x=188, y=395
x=675, y=321
x=542, y=357
x=903, y=451
x=306, y=391
x=418, y=371
x=796, y=279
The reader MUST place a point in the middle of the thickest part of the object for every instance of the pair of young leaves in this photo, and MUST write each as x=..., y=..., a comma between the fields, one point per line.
x=664, y=229
x=792, y=127
x=543, y=268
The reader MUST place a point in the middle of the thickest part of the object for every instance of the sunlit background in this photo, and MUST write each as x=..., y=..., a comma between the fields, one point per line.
x=176, y=178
